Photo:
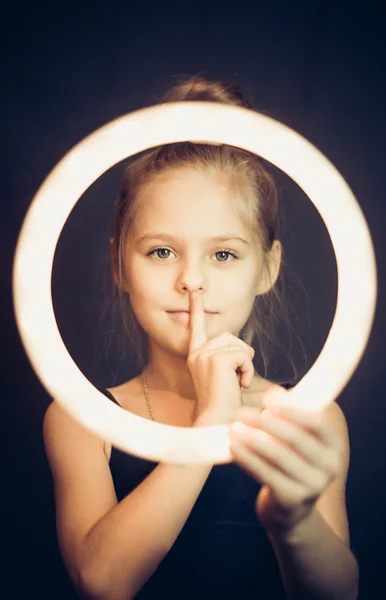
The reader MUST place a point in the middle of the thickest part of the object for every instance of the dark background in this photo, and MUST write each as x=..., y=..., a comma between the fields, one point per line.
x=318, y=67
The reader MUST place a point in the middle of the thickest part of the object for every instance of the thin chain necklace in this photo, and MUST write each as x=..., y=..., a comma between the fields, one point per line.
x=148, y=399
x=149, y=403
x=147, y=395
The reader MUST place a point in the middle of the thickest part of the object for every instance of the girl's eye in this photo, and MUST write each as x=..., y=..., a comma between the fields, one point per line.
x=162, y=249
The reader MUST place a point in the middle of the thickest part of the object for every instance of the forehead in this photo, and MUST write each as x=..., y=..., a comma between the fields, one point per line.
x=189, y=195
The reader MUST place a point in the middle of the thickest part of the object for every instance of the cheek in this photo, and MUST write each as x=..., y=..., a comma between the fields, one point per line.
x=150, y=285
x=147, y=315
x=146, y=282
x=238, y=292
x=148, y=296
x=240, y=302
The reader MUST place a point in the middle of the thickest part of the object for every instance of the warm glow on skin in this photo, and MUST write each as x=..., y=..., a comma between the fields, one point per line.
x=192, y=208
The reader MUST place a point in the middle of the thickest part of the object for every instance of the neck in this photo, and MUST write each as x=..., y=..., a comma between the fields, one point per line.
x=170, y=380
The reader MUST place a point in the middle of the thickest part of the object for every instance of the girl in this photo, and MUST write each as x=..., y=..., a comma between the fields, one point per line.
x=195, y=262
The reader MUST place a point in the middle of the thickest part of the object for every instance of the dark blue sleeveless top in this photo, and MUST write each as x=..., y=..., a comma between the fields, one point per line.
x=222, y=551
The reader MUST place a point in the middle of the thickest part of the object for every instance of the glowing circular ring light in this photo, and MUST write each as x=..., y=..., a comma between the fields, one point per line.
x=136, y=132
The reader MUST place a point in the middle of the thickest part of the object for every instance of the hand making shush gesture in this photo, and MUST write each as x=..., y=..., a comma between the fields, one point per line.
x=294, y=453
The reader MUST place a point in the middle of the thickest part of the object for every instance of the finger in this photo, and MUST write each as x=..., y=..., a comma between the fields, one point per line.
x=285, y=489
x=242, y=365
x=196, y=323
x=226, y=339
x=313, y=420
x=291, y=462
x=300, y=439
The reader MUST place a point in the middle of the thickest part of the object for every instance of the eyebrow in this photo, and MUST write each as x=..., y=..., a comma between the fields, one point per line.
x=166, y=236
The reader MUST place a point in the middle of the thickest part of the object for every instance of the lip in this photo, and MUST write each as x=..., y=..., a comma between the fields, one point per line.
x=183, y=316
x=208, y=312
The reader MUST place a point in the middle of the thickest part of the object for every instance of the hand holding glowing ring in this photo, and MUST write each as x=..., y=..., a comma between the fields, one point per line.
x=136, y=132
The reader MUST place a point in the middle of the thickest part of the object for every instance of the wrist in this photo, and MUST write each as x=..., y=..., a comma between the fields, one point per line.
x=290, y=535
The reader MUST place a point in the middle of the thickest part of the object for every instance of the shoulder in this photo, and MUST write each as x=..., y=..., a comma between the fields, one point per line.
x=57, y=419
x=335, y=416
x=332, y=414
x=261, y=385
x=336, y=421
x=255, y=394
x=126, y=392
x=60, y=430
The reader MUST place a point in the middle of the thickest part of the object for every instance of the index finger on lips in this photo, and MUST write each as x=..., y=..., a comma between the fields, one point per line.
x=197, y=323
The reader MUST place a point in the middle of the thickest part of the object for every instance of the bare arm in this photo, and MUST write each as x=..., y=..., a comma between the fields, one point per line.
x=126, y=546
x=111, y=549
x=315, y=563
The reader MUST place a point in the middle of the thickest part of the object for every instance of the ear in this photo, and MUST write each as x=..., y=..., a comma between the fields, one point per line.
x=271, y=271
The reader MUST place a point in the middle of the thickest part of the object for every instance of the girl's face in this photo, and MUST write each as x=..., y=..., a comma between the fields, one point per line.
x=172, y=250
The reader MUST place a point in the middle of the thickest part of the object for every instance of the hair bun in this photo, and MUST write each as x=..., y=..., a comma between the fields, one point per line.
x=201, y=89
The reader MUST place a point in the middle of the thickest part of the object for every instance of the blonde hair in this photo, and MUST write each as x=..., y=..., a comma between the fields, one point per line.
x=256, y=199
